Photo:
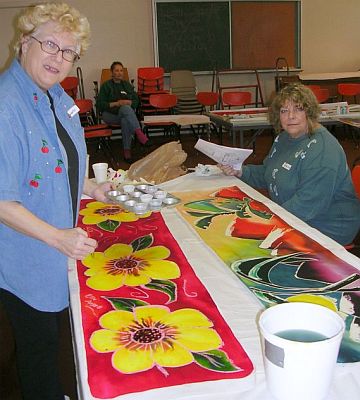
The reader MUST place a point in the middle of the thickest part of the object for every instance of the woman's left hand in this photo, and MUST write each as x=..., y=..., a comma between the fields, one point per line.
x=97, y=191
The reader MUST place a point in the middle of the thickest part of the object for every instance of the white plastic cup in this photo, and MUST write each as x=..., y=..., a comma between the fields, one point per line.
x=100, y=172
x=294, y=369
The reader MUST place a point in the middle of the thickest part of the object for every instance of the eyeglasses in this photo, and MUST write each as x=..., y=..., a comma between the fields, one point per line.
x=295, y=110
x=52, y=48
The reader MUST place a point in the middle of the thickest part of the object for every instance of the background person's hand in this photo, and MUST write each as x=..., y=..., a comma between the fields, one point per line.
x=229, y=170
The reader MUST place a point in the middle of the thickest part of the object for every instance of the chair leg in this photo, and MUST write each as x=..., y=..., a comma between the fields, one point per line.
x=106, y=148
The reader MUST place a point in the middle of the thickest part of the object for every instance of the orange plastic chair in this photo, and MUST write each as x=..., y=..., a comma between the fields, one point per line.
x=70, y=85
x=348, y=90
x=98, y=133
x=236, y=99
x=321, y=94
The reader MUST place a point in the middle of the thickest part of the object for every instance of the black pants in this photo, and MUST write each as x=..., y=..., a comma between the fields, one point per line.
x=37, y=346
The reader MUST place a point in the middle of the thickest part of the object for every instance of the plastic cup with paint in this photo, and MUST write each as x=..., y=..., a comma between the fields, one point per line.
x=155, y=204
x=151, y=189
x=145, y=198
x=129, y=204
x=136, y=194
x=160, y=194
x=300, y=344
x=140, y=208
x=100, y=172
x=128, y=188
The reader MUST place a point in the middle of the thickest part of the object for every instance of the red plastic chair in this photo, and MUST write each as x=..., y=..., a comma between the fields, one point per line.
x=348, y=90
x=236, y=99
x=207, y=99
x=355, y=175
x=322, y=94
x=70, y=85
x=163, y=104
x=150, y=79
x=98, y=133
x=313, y=87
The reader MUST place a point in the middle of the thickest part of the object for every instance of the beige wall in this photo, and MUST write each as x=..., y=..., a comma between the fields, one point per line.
x=122, y=30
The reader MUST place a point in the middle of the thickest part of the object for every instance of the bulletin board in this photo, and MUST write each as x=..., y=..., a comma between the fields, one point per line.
x=206, y=35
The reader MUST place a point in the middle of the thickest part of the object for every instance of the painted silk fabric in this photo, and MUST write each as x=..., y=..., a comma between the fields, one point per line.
x=148, y=321
x=275, y=261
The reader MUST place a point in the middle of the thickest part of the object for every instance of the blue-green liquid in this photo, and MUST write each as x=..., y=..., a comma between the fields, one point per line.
x=301, y=335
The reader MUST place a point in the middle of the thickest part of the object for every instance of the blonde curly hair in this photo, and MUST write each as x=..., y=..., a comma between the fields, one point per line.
x=68, y=18
x=299, y=95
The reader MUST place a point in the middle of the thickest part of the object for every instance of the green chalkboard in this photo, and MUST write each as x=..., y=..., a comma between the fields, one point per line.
x=193, y=35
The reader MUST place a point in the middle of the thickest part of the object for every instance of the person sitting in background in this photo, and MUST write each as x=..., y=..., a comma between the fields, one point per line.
x=117, y=102
x=306, y=171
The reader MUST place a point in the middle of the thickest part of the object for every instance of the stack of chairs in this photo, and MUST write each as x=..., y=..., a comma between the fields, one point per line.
x=182, y=83
x=150, y=80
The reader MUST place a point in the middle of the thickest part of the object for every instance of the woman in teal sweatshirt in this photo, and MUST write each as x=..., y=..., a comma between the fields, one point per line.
x=306, y=171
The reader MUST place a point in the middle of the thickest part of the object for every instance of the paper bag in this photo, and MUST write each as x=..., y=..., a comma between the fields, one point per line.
x=163, y=164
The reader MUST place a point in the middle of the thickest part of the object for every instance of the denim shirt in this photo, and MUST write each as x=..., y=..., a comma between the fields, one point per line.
x=34, y=173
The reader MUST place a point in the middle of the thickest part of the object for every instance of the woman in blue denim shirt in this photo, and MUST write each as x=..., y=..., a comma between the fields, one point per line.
x=42, y=153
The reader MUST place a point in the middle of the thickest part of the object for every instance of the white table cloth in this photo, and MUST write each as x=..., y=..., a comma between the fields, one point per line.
x=236, y=303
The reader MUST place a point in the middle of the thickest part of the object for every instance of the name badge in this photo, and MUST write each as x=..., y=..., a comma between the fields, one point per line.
x=73, y=111
x=286, y=166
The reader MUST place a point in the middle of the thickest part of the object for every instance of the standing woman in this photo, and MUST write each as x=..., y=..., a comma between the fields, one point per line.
x=42, y=153
x=306, y=170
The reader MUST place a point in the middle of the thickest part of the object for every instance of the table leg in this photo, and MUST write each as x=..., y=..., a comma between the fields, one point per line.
x=208, y=132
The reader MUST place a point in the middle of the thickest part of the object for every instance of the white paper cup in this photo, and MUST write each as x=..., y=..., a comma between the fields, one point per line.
x=100, y=172
x=300, y=369
x=87, y=166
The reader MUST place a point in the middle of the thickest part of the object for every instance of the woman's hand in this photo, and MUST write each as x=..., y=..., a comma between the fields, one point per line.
x=124, y=102
x=97, y=191
x=74, y=243
x=228, y=170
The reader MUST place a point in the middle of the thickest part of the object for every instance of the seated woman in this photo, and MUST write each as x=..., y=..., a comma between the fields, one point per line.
x=117, y=102
x=306, y=170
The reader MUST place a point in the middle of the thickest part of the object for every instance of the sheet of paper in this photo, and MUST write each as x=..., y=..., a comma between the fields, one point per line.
x=223, y=155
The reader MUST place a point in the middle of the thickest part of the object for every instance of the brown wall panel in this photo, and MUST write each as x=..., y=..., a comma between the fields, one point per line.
x=262, y=32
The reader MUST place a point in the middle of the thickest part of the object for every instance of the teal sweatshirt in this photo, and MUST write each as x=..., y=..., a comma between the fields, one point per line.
x=112, y=91
x=309, y=177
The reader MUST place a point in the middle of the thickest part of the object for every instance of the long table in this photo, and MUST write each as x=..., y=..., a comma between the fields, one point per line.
x=236, y=304
x=238, y=121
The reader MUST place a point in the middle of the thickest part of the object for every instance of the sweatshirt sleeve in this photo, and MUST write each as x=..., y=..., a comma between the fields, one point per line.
x=132, y=95
x=103, y=98
x=253, y=175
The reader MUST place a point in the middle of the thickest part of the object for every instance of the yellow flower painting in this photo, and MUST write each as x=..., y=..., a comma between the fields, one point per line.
x=121, y=265
x=96, y=213
x=149, y=336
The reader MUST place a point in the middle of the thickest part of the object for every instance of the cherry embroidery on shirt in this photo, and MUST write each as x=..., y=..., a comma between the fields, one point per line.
x=58, y=169
x=44, y=148
x=35, y=182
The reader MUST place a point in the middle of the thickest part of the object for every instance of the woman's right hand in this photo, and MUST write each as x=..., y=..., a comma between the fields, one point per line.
x=229, y=170
x=75, y=243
